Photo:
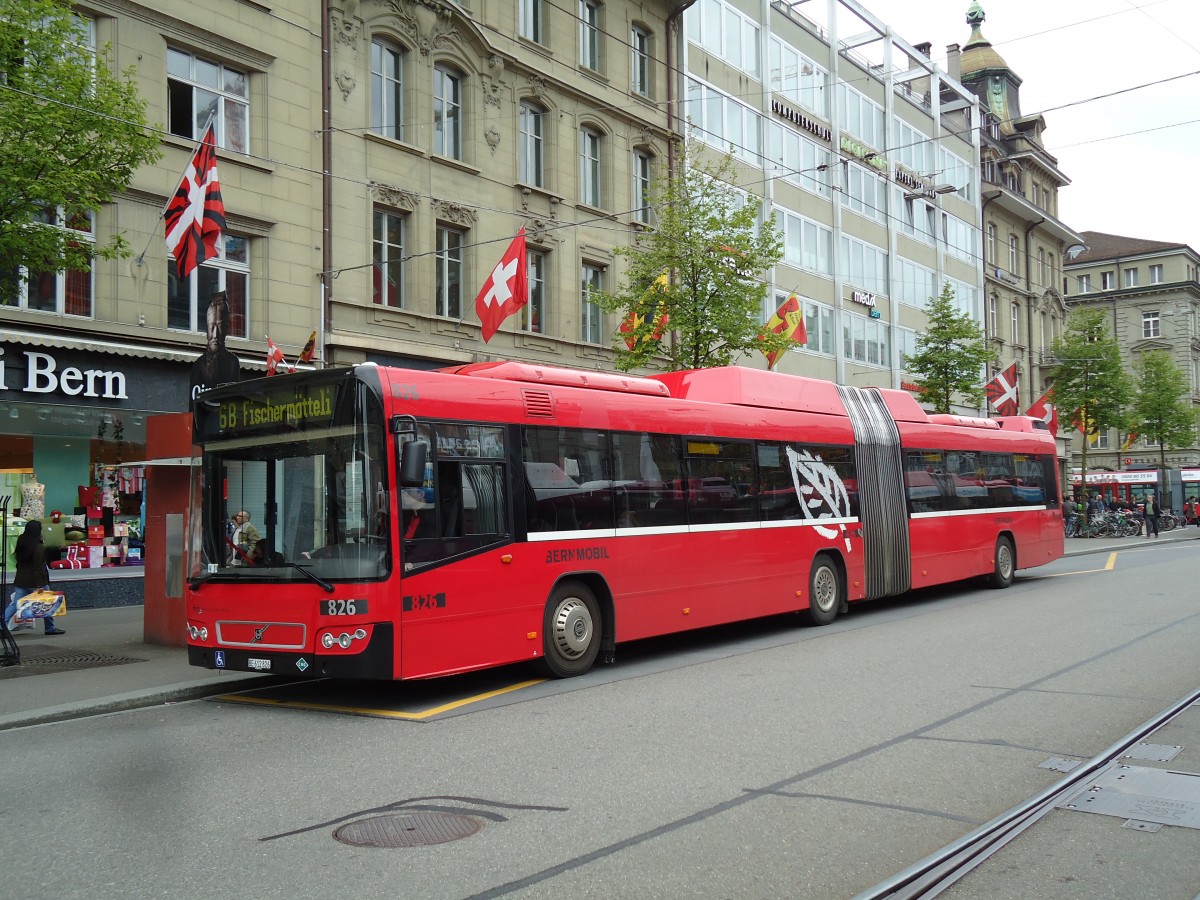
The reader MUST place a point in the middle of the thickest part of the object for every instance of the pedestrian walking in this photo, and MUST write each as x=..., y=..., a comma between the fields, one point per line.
x=1151, y=515
x=31, y=574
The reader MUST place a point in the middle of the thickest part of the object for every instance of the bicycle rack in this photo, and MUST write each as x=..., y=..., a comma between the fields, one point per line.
x=10, y=653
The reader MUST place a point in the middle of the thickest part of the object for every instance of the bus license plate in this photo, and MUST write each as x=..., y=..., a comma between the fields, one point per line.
x=343, y=607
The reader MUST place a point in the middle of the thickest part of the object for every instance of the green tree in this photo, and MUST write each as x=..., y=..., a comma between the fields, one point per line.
x=1089, y=384
x=708, y=241
x=1162, y=411
x=72, y=133
x=950, y=355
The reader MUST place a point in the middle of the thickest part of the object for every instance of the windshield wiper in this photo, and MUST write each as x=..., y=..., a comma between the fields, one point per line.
x=313, y=576
x=194, y=583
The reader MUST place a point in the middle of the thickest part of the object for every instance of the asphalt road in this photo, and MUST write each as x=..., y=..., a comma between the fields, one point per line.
x=762, y=761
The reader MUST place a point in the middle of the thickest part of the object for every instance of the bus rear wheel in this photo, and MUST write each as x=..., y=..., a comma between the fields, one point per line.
x=1006, y=563
x=571, y=630
x=824, y=591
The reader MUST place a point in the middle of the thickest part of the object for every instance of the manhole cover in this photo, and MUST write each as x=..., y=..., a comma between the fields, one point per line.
x=408, y=830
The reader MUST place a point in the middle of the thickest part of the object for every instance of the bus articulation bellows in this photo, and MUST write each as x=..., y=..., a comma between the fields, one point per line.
x=422, y=523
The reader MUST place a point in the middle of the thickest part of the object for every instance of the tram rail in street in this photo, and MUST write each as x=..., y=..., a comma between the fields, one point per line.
x=942, y=869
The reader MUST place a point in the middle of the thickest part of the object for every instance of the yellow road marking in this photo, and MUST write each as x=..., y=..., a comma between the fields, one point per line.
x=1108, y=567
x=382, y=713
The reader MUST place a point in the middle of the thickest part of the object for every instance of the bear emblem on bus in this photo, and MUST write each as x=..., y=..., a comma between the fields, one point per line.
x=821, y=491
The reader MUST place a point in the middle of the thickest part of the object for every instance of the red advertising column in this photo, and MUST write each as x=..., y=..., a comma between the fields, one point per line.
x=168, y=486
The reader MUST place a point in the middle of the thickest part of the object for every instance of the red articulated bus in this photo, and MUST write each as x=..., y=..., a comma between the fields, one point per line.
x=413, y=524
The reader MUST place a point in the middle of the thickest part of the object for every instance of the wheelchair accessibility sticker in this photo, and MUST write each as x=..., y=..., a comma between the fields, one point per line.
x=219, y=659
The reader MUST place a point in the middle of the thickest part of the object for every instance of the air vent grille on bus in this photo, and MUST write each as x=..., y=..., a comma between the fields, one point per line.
x=539, y=403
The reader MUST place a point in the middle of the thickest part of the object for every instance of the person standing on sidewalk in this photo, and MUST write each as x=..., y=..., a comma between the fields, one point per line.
x=31, y=572
x=1151, y=515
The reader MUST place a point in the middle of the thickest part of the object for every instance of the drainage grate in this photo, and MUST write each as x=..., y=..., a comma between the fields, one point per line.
x=69, y=661
x=408, y=830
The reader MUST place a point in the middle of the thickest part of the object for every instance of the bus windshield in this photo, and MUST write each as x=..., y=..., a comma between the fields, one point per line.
x=293, y=484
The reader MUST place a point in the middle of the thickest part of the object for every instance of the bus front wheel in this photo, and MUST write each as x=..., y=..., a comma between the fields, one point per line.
x=1006, y=563
x=571, y=630
x=824, y=591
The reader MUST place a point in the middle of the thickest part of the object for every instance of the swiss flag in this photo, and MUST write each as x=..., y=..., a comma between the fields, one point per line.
x=1046, y=411
x=1002, y=392
x=506, y=290
x=195, y=215
x=274, y=357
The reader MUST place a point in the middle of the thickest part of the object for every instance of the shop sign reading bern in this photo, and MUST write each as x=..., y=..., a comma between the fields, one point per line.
x=43, y=376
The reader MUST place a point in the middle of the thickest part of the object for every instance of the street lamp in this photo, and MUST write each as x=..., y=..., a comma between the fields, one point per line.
x=940, y=189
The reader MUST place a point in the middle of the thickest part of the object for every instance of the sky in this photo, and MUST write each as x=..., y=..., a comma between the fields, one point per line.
x=1134, y=158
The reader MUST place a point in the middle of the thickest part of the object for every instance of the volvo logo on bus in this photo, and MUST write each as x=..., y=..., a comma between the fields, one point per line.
x=258, y=634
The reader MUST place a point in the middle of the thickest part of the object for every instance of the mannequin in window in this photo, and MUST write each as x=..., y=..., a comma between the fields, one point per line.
x=33, y=499
x=216, y=365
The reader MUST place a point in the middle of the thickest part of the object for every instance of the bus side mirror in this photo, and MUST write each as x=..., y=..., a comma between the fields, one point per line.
x=413, y=456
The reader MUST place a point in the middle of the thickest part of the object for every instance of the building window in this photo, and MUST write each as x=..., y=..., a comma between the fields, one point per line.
x=1012, y=254
x=529, y=15
x=1107, y=282
x=447, y=113
x=797, y=77
x=864, y=265
x=1042, y=334
x=1084, y=283
x=449, y=264
x=806, y=244
x=593, y=280
x=533, y=313
x=68, y=292
x=388, y=258
x=229, y=271
x=198, y=91
x=532, y=145
x=726, y=33
x=387, y=90
x=1100, y=440
x=1042, y=267
x=589, y=166
x=722, y=121
x=864, y=340
x=1156, y=274
x=799, y=160
x=1151, y=324
x=991, y=243
x=641, y=187
x=589, y=34
x=992, y=313
x=1015, y=324
x=865, y=193
x=1131, y=278
x=639, y=43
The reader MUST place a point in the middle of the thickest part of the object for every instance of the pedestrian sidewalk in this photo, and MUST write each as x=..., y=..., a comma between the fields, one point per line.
x=103, y=664
x=1077, y=546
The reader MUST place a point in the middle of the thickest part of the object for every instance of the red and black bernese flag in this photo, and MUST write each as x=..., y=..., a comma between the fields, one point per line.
x=195, y=216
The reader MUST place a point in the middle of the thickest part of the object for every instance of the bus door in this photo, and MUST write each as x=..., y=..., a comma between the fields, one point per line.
x=882, y=507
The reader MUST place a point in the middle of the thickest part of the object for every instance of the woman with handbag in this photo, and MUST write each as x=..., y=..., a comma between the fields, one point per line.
x=32, y=572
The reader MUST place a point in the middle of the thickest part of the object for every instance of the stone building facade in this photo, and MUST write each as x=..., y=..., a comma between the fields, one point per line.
x=1151, y=290
x=1024, y=242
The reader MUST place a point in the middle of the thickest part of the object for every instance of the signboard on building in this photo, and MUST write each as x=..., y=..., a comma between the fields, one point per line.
x=801, y=121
